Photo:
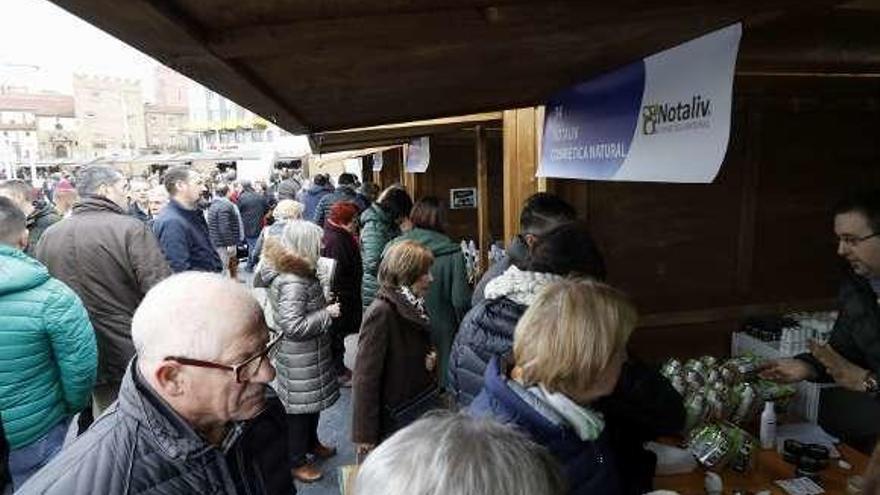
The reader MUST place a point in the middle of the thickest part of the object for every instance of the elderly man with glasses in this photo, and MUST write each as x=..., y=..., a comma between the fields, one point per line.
x=201, y=371
x=851, y=357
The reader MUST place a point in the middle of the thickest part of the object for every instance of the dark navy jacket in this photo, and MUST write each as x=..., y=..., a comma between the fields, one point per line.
x=342, y=193
x=183, y=236
x=486, y=331
x=588, y=466
x=311, y=197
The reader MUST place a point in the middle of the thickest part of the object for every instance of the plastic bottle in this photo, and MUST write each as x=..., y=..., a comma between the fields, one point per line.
x=768, y=426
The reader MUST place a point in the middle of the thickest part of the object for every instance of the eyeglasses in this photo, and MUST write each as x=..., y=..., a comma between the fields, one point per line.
x=245, y=371
x=853, y=241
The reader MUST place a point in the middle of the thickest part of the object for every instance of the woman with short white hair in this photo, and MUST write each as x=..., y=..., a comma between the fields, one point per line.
x=285, y=211
x=306, y=378
x=445, y=454
x=568, y=351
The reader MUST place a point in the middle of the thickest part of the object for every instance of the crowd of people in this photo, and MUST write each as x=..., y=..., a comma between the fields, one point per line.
x=121, y=302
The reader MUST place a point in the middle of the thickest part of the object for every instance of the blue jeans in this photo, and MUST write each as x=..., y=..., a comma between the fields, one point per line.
x=252, y=251
x=25, y=461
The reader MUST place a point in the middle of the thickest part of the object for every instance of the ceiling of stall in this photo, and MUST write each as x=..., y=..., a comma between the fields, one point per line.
x=317, y=66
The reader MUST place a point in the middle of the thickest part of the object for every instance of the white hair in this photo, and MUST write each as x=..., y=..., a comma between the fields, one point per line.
x=288, y=209
x=457, y=454
x=303, y=239
x=191, y=314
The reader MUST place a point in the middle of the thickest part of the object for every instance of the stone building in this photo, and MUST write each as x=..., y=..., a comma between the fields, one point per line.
x=111, y=114
x=37, y=128
x=166, y=120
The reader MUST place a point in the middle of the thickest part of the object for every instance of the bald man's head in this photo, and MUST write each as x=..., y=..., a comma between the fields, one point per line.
x=203, y=347
x=196, y=315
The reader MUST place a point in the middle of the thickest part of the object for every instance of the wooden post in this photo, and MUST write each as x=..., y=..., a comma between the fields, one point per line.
x=522, y=129
x=410, y=183
x=749, y=203
x=402, y=165
x=480, y=147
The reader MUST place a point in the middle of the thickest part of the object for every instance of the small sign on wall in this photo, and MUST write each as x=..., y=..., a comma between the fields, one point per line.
x=377, y=162
x=463, y=198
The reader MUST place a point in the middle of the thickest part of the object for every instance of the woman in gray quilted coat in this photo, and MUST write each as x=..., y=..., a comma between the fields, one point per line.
x=306, y=378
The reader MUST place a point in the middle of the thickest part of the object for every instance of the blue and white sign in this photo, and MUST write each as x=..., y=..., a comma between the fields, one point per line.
x=662, y=119
x=418, y=155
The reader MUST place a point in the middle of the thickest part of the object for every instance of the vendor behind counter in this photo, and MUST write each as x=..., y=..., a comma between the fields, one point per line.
x=851, y=358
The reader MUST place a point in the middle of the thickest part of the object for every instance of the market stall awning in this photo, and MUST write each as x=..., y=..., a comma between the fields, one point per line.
x=316, y=66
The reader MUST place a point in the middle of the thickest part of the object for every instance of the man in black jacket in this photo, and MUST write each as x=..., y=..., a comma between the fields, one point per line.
x=224, y=225
x=541, y=213
x=851, y=358
x=40, y=215
x=201, y=372
x=252, y=206
x=344, y=192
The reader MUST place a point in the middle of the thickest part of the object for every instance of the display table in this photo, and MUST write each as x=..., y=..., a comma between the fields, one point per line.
x=769, y=467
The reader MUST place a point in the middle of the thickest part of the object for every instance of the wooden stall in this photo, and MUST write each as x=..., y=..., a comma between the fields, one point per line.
x=466, y=152
x=697, y=259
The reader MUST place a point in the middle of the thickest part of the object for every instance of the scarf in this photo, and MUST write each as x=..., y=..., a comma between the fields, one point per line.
x=587, y=423
x=519, y=286
x=416, y=302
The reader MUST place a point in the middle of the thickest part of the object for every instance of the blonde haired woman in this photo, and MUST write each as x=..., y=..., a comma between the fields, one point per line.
x=306, y=379
x=288, y=209
x=285, y=211
x=393, y=376
x=568, y=351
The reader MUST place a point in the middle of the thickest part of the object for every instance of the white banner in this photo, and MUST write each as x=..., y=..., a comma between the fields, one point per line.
x=377, y=162
x=662, y=119
x=418, y=155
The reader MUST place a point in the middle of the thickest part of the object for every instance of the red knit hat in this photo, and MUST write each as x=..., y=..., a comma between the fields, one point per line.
x=343, y=212
x=64, y=186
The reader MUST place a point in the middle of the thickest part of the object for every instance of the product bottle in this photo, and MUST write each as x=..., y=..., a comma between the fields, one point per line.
x=768, y=426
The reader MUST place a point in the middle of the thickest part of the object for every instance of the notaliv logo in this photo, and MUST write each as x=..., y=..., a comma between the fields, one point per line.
x=655, y=116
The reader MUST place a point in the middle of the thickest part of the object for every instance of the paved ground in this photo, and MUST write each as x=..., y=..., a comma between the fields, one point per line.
x=334, y=429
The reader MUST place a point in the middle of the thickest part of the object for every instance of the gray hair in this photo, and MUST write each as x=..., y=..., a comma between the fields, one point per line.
x=457, y=454
x=303, y=238
x=19, y=191
x=91, y=178
x=12, y=221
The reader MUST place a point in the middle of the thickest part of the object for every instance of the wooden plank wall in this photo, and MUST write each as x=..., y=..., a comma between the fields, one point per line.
x=392, y=164
x=454, y=165
x=698, y=258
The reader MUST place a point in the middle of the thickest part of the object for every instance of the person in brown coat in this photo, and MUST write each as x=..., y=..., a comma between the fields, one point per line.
x=110, y=260
x=395, y=362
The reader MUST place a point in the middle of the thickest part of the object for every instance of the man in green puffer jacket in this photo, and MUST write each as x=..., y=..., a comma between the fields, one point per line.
x=47, y=352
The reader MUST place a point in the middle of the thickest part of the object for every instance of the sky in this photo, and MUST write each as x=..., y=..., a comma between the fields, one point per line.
x=42, y=46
